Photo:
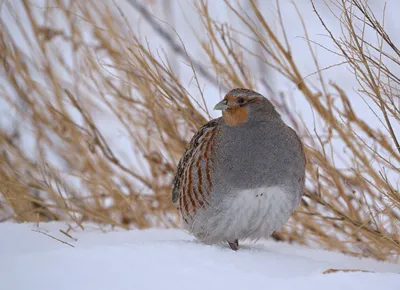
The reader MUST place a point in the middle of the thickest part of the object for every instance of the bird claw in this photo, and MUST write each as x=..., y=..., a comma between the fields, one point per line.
x=234, y=245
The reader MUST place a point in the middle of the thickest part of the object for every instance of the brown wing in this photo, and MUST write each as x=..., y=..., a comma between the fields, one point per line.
x=198, y=142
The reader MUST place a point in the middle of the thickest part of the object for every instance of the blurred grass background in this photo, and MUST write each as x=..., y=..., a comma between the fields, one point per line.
x=95, y=116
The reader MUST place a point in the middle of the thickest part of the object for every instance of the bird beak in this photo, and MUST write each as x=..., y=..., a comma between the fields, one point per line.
x=223, y=105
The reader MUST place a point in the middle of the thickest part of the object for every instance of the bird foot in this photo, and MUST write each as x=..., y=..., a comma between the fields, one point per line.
x=234, y=245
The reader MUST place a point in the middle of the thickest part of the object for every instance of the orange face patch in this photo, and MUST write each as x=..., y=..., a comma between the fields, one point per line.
x=235, y=116
x=232, y=100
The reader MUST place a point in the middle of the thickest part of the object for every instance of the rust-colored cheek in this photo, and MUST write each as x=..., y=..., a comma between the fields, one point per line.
x=235, y=116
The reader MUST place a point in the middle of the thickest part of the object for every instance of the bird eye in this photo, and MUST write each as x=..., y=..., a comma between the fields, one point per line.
x=240, y=101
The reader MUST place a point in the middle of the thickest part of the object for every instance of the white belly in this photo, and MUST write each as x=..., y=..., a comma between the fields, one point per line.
x=254, y=214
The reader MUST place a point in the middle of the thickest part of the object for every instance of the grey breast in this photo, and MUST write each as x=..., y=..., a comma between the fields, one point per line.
x=257, y=155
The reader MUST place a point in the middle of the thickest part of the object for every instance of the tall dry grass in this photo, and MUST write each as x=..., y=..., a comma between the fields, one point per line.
x=57, y=163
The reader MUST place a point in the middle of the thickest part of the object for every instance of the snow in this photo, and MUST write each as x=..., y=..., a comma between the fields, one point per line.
x=171, y=259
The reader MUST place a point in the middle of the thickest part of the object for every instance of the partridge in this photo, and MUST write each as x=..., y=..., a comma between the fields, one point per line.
x=242, y=175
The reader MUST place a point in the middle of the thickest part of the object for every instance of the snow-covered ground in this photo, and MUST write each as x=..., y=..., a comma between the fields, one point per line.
x=171, y=259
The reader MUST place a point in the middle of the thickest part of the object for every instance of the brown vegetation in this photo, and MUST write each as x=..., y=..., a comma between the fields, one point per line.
x=74, y=173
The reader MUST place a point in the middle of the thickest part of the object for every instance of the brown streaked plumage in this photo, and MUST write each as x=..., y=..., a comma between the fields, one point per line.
x=195, y=163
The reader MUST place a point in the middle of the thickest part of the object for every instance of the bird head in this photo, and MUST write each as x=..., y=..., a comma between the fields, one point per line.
x=240, y=105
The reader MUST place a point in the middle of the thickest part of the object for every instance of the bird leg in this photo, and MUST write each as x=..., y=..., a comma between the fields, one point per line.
x=234, y=245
